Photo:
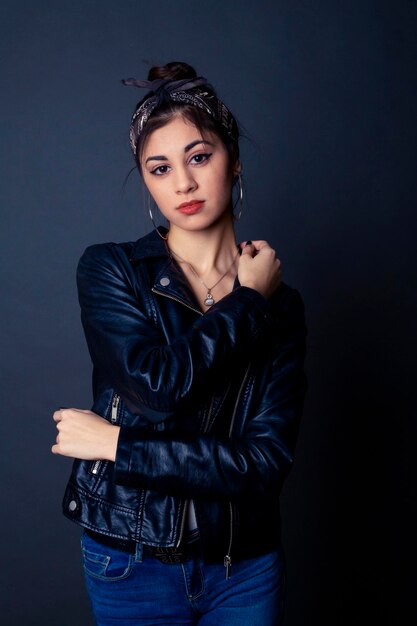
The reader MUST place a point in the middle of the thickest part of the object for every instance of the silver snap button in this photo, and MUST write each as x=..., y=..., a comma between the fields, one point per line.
x=72, y=505
x=164, y=281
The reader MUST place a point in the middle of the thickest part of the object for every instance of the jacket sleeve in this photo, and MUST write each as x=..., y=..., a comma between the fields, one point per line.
x=127, y=346
x=254, y=461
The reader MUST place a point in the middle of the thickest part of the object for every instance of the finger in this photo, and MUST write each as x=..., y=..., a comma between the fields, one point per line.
x=266, y=251
x=57, y=416
x=259, y=244
x=55, y=449
x=248, y=250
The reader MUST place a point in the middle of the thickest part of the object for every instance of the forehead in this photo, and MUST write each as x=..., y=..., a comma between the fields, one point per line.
x=175, y=136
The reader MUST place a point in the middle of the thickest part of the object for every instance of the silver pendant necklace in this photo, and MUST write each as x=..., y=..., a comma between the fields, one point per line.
x=209, y=299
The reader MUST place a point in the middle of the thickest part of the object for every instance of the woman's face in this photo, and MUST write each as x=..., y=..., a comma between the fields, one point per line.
x=189, y=177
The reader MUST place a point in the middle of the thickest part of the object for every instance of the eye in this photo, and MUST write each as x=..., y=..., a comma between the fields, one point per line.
x=160, y=170
x=201, y=157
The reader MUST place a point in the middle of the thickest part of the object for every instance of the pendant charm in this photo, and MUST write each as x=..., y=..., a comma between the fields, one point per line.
x=209, y=299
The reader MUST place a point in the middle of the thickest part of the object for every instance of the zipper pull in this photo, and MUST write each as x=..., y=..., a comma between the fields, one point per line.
x=95, y=467
x=114, y=407
x=228, y=564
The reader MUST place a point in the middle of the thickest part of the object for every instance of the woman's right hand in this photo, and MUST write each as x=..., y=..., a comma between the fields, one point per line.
x=259, y=268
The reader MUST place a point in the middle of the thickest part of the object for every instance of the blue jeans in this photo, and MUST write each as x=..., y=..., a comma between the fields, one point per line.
x=125, y=589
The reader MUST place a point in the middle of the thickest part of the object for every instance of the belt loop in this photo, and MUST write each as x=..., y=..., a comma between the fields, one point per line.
x=139, y=553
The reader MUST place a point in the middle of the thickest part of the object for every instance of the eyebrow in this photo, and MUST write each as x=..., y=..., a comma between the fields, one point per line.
x=187, y=148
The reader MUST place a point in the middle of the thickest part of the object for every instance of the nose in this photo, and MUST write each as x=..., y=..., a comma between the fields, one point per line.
x=185, y=181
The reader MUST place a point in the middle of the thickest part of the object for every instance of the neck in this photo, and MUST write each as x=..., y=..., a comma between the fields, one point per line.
x=207, y=250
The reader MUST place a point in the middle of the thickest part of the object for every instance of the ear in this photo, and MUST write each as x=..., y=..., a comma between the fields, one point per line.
x=237, y=168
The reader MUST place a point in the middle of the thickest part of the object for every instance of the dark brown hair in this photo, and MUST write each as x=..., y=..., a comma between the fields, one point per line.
x=162, y=115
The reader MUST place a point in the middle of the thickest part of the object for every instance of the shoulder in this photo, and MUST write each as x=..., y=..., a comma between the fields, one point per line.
x=103, y=270
x=121, y=265
x=150, y=245
x=288, y=307
x=106, y=252
x=104, y=261
x=286, y=297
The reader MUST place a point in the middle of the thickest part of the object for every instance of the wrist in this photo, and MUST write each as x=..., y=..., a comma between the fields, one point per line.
x=254, y=286
x=112, y=437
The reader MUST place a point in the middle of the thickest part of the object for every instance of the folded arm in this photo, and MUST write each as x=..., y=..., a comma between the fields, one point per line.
x=128, y=347
x=253, y=461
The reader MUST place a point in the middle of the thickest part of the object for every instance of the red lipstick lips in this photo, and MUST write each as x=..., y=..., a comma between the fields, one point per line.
x=189, y=208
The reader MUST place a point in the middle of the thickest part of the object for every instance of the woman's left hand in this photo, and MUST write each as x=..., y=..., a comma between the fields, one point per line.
x=85, y=435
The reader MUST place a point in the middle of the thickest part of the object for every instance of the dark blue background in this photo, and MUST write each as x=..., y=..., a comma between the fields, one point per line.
x=326, y=92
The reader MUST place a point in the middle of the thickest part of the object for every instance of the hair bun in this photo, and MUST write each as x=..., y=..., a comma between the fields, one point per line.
x=176, y=70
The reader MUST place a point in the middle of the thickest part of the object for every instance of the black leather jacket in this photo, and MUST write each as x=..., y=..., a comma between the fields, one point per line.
x=208, y=404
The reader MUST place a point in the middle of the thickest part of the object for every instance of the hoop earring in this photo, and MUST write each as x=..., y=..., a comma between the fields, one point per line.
x=239, y=199
x=152, y=219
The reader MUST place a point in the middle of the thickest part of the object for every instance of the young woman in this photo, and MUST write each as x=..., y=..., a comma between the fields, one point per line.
x=198, y=352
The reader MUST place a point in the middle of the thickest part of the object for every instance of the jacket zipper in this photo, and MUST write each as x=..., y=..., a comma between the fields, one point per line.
x=113, y=419
x=184, y=512
x=205, y=428
x=166, y=295
x=188, y=306
x=115, y=408
x=210, y=411
x=245, y=378
x=227, y=561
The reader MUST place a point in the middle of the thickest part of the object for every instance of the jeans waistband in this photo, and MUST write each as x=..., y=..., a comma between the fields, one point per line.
x=170, y=555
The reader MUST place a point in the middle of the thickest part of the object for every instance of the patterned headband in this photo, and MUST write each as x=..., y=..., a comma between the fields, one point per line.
x=195, y=91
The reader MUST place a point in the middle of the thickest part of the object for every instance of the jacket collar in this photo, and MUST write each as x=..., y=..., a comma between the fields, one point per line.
x=170, y=280
x=151, y=245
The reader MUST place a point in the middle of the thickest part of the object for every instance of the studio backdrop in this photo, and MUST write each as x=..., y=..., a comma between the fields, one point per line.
x=326, y=96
